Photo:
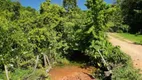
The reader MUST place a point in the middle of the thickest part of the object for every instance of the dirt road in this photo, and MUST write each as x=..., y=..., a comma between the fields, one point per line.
x=135, y=51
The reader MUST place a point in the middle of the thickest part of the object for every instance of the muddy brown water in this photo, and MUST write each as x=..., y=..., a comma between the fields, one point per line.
x=71, y=73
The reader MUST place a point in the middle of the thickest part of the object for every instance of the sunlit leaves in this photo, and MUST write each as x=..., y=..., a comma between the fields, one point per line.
x=25, y=33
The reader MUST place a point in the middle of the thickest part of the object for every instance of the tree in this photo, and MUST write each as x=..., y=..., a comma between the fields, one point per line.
x=94, y=38
x=115, y=19
x=28, y=36
x=9, y=9
x=132, y=11
x=69, y=4
x=13, y=44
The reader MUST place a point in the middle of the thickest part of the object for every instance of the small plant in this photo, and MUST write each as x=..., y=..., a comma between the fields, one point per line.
x=138, y=33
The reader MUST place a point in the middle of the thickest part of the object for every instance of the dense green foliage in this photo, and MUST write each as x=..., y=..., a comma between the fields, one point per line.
x=116, y=22
x=54, y=33
x=127, y=16
x=132, y=11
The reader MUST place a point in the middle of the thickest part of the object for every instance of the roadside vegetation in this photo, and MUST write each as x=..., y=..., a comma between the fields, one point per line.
x=132, y=37
x=126, y=20
x=125, y=23
x=33, y=42
x=126, y=16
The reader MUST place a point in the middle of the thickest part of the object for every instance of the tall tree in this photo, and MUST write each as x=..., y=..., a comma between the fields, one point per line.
x=132, y=11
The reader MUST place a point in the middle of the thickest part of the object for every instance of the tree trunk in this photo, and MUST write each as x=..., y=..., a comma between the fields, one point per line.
x=45, y=62
x=6, y=72
x=108, y=74
x=48, y=64
x=36, y=63
x=104, y=61
x=37, y=58
x=48, y=61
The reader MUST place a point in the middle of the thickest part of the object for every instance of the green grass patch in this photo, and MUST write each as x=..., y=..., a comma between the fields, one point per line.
x=16, y=75
x=132, y=37
x=21, y=74
x=126, y=73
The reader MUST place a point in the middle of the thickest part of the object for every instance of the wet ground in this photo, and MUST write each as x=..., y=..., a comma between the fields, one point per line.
x=71, y=73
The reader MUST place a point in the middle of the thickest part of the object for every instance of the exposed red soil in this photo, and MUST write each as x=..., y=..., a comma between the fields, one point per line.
x=71, y=73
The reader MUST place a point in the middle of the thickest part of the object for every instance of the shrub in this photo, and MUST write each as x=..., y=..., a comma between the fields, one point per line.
x=126, y=73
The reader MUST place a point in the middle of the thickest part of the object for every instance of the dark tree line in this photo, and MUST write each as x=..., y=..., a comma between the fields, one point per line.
x=132, y=14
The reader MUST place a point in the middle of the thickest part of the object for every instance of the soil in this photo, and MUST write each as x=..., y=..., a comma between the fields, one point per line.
x=133, y=50
x=71, y=73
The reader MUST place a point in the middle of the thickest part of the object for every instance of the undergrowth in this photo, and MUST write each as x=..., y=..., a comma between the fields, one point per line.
x=126, y=73
x=27, y=74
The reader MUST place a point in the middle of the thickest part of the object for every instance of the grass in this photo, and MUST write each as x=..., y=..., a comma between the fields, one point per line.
x=16, y=75
x=132, y=37
x=20, y=74
x=126, y=73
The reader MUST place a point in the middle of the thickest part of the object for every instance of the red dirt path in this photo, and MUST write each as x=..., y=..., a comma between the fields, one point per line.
x=71, y=73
